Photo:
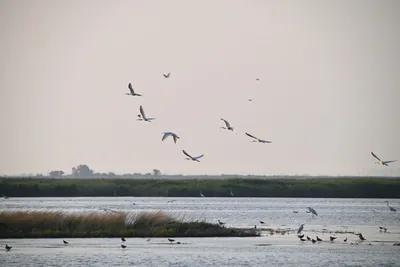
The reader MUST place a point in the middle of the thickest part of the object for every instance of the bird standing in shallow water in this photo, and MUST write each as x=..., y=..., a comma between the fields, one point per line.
x=65, y=242
x=171, y=240
x=391, y=208
x=300, y=228
x=8, y=247
x=123, y=246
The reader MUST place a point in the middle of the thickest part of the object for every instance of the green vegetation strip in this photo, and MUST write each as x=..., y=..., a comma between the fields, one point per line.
x=55, y=224
x=326, y=187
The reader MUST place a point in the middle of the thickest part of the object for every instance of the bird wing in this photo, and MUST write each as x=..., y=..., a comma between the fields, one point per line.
x=389, y=161
x=131, y=89
x=165, y=136
x=199, y=156
x=175, y=138
x=372, y=153
x=226, y=123
x=142, y=112
x=184, y=152
x=251, y=136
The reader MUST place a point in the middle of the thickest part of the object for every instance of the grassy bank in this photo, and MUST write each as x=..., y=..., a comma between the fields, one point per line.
x=332, y=188
x=50, y=224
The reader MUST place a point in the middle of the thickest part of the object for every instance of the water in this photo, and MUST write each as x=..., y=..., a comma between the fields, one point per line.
x=358, y=215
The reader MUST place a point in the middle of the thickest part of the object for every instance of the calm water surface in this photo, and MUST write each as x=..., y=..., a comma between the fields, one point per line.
x=343, y=215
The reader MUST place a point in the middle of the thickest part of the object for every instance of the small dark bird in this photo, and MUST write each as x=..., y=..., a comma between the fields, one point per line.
x=384, y=229
x=178, y=243
x=166, y=75
x=295, y=211
x=220, y=223
x=319, y=239
x=8, y=247
x=381, y=228
x=301, y=236
x=308, y=238
x=313, y=240
x=171, y=240
x=65, y=242
x=123, y=246
x=261, y=222
x=345, y=240
x=302, y=239
x=123, y=239
x=257, y=79
x=332, y=238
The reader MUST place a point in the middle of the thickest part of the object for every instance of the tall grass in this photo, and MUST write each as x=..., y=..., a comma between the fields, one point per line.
x=44, y=224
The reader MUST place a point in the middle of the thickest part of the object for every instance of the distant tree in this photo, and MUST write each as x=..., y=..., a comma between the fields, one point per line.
x=82, y=171
x=57, y=173
x=156, y=172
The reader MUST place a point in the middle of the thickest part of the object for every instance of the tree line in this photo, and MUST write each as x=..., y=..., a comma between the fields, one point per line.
x=330, y=188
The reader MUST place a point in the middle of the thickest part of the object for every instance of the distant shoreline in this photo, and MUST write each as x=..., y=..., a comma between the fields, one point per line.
x=362, y=187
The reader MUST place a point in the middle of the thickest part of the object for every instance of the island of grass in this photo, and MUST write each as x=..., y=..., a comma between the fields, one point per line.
x=56, y=224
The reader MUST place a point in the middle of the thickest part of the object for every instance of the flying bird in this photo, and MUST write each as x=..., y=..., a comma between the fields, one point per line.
x=167, y=75
x=132, y=92
x=383, y=163
x=228, y=126
x=258, y=139
x=166, y=134
x=192, y=158
x=142, y=116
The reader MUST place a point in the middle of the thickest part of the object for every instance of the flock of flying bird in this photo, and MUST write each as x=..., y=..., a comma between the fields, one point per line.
x=142, y=117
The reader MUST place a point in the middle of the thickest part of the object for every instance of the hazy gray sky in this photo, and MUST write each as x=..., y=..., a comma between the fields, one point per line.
x=328, y=93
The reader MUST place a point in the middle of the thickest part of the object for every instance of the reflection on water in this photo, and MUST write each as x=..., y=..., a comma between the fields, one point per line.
x=351, y=215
